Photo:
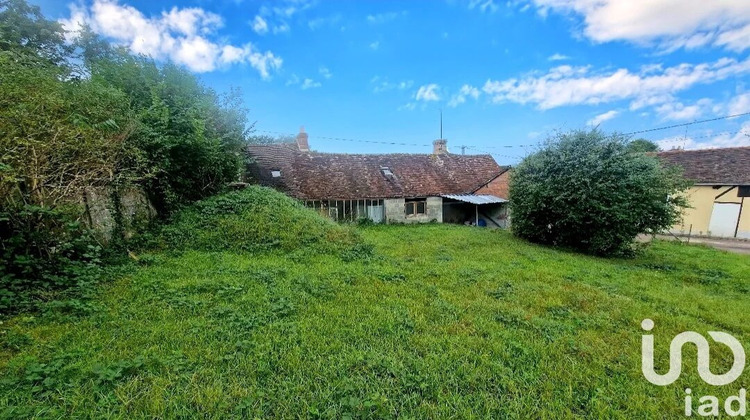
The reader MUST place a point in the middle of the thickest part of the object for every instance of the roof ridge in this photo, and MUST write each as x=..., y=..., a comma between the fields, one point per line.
x=713, y=149
x=313, y=152
x=316, y=175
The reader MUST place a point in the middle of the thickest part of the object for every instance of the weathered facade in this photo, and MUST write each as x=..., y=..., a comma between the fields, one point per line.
x=718, y=197
x=105, y=207
x=393, y=188
x=497, y=186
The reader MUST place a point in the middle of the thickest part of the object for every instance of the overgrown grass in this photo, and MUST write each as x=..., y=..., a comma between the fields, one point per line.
x=418, y=321
x=255, y=219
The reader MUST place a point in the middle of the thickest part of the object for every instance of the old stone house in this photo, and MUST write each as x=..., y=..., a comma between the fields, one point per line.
x=401, y=188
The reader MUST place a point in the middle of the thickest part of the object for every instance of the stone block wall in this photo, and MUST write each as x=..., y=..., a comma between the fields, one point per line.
x=395, y=211
x=100, y=209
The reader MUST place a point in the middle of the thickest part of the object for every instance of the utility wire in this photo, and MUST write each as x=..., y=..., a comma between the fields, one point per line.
x=723, y=133
x=687, y=124
x=525, y=146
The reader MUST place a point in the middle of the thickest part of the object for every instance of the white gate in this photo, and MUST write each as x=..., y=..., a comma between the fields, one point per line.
x=724, y=219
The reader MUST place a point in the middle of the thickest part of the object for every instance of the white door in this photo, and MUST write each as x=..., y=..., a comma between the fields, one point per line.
x=375, y=213
x=724, y=219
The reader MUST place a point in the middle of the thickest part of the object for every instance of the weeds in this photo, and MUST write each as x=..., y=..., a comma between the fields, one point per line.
x=387, y=331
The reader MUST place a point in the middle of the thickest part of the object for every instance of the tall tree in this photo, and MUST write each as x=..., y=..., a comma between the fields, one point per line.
x=191, y=136
x=24, y=29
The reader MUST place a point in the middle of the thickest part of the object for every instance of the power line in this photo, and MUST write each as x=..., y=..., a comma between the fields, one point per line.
x=687, y=124
x=525, y=146
x=351, y=140
x=681, y=139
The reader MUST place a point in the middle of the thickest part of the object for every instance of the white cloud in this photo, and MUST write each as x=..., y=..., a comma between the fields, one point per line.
x=184, y=36
x=602, y=117
x=375, y=45
x=293, y=80
x=669, y=24
x=740, y=104
x=309, y=84
x=78, y=17
x=281, y=28
x=385, y=17
x=566, y=85
x=428, y=93
x=259, y=25
x=737, y=138
x=278, y=16
x=406, y=84
x=317, y=23
x=558, y=57
x=460, y=97
x=676, y=111
x=264, y=63
x=323, y=70
x=383, y=84
x=484, y=5
x=192, y=20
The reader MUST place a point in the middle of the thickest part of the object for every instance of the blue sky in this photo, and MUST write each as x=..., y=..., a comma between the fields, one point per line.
x=505, y=73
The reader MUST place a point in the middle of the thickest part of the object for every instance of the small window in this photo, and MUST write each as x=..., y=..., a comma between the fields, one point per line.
x=386, y=171
x=743, y=191
x=276, y=173
x=415, y=207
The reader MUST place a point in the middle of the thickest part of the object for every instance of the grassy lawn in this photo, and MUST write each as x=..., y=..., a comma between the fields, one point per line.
x=437, y=321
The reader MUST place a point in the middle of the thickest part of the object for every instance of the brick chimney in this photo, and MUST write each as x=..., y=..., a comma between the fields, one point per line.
x=439, y=147
x=302, y=140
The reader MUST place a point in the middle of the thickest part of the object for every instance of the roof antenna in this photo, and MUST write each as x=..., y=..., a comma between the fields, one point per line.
x=441, y=123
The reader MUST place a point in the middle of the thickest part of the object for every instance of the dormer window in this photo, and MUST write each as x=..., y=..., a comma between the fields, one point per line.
x=386, y=171
x=276, y=173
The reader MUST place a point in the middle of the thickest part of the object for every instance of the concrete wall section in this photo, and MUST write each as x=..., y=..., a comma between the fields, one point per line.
x=395, y=211
x=434, y=209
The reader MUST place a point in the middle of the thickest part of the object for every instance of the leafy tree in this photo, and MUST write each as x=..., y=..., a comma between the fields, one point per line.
x=119, y=119
x=266, y=139
x=642, y=146
x=24, y=29
x=191, y=136
x=59, y=137
x=587, y=191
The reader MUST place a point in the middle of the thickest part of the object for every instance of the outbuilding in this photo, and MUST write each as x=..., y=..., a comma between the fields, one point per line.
x=392, y=188
x=721, y=185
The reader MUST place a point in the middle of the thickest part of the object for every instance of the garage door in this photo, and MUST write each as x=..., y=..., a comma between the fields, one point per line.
x=724, y=219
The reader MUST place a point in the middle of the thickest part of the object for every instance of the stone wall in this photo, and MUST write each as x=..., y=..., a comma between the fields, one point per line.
x=101, y=207
x=395, y=211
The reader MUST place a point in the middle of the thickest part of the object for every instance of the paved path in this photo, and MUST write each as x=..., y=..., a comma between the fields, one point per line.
x=731, y=245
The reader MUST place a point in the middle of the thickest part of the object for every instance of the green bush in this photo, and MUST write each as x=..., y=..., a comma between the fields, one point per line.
x=92, y=115
x=587, y=191
x=255, y=219
x=43, y=252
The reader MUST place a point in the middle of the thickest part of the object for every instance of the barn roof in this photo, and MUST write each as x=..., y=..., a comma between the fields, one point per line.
x=726, y=166
x=313, y=175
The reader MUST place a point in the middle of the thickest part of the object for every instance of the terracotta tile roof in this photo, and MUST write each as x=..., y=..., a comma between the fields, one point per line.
x=727, y=166
x=313, y=175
